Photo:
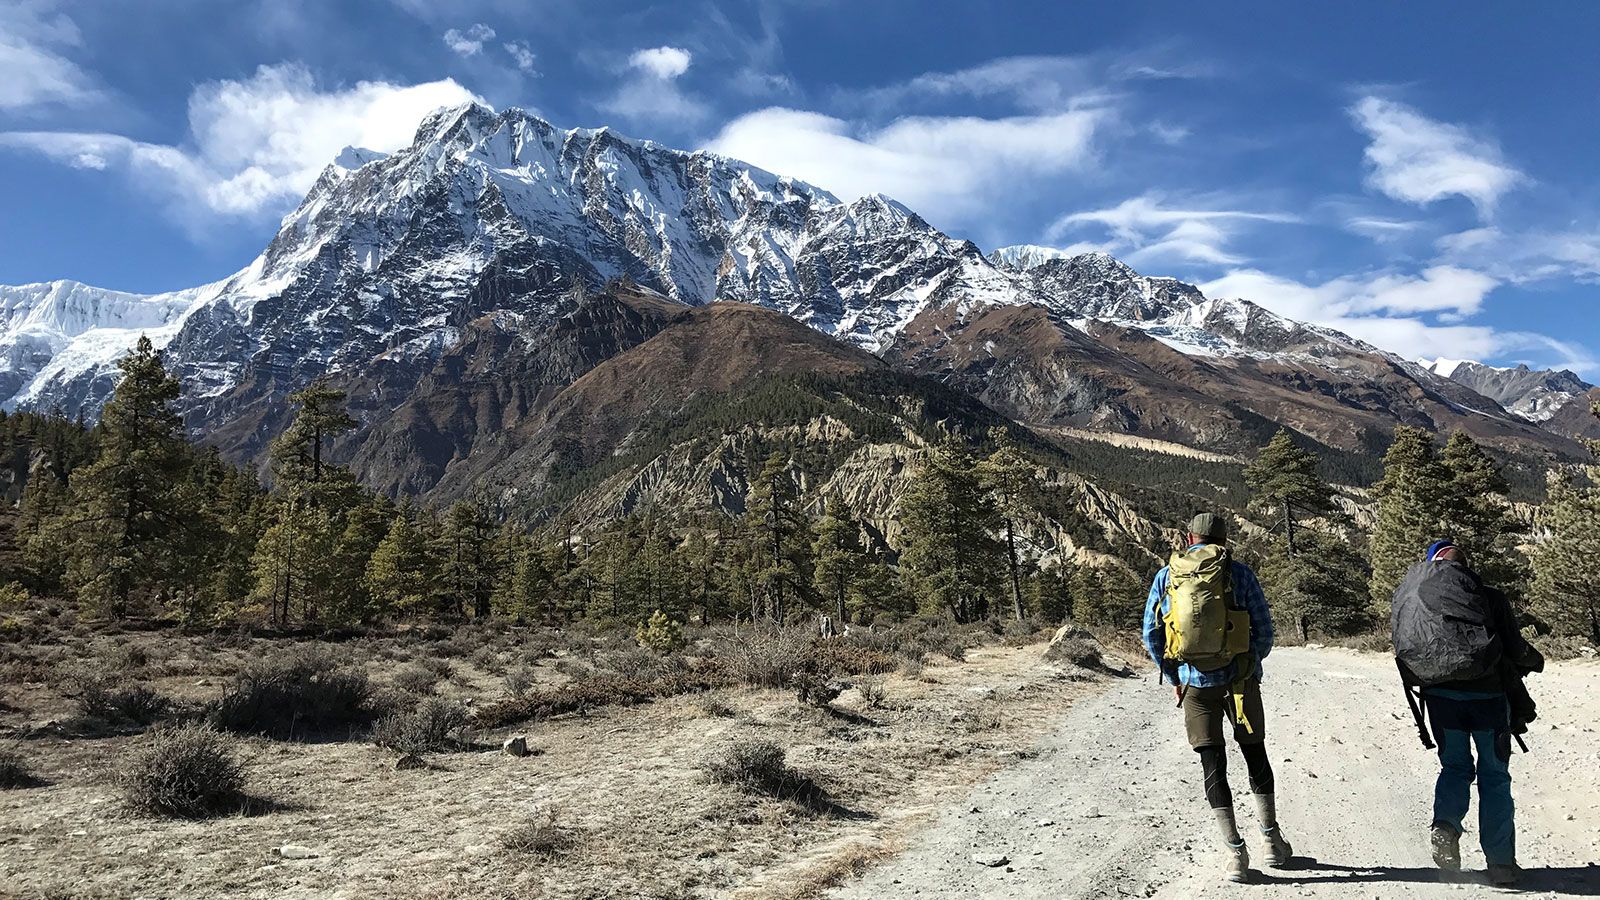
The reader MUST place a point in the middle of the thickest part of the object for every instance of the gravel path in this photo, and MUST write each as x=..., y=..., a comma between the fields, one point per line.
x=1112, y=805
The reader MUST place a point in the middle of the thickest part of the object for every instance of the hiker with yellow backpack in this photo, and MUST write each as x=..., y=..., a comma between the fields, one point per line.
x=1207, y=626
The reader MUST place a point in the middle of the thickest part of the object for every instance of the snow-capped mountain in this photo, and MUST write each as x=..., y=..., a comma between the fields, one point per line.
x=1535, y=394
x=401, y=274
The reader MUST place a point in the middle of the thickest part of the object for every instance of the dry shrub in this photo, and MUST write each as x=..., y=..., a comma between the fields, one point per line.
x=188, y=772
x=307, y=691
x=137, y=705
x=488, y=660
x=596, y=690
x=715, y=704
x=541, y=834
x=434, y=724
x=769, y=657
x=1076, y=646
x=519, y=681
x=759, y=767
x=417, y=679
x=873, y=693
x=14, y=771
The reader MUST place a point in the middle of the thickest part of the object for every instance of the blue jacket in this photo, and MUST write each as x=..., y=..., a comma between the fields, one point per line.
x=1246, y=591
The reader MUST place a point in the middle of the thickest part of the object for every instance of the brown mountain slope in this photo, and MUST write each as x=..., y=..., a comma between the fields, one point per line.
x=707, y=354
x=1031, y=365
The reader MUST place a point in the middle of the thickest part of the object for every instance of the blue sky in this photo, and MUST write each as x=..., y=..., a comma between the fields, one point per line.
x=1421, y=175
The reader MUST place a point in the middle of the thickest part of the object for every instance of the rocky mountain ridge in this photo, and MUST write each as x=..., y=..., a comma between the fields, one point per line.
x=461, y=288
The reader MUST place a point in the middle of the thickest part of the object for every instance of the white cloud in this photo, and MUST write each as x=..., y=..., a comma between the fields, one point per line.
x=1145, y=229
x=256, y=145
x=469, y=42
x=665, y=63
x=1386, y=308
x=34, y=72
x=520, y=54
x=940, y=166
x=1379, y=229
x=1419, y=160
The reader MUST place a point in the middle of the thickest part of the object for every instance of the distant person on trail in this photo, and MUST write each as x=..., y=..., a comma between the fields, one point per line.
x=1207, y=626
x=1456, y=639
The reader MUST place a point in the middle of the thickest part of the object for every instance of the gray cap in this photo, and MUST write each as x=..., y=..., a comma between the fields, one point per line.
x=1209, y=525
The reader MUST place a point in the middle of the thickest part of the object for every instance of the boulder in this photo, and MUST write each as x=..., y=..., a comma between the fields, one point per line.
x=1076, y=646
x=516, y=745
x=408, y=762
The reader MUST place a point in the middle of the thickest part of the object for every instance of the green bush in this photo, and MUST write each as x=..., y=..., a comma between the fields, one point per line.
x=660, y=635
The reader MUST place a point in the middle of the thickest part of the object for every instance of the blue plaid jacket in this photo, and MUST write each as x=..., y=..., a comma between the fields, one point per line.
x=1246, y=591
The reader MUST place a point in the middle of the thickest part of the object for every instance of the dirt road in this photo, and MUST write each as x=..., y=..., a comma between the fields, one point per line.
x=1112, y=805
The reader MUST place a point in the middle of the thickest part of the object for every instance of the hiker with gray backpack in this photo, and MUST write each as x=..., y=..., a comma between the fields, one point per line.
x=1208, y=627
x=1456, y=642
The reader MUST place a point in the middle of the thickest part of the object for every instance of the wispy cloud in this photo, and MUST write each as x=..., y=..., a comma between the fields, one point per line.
x=34, y=70
x=1147, y=229
x=1419, y=160
x=521, y=55
x=1390, y=310
x=468, y=42
x=256, y=145
x=650, y=91
x=940, y=166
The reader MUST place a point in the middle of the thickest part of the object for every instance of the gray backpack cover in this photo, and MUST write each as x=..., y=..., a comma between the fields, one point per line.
x=1443, y=629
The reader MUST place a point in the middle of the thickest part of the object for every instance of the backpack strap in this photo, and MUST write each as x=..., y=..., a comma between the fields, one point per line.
x=1412, y=701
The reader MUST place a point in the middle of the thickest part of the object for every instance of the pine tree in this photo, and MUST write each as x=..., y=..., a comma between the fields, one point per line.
x=468, y=551
x=524, y=591
x=402, y=573
x=1478, y=516
x=838, y=556
x=951, y=553
x=132, y=509
x=1563, y=593
x=365, y=526
x=1050, y=594
x=1006, y=474
x=294, y=561
x=1322, y=590
x=1285, y=486
x=1107, y=595
x=1413, y=496
x=778, y=523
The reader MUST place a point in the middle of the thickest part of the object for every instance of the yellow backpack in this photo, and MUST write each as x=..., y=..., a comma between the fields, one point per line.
x=1203, y=626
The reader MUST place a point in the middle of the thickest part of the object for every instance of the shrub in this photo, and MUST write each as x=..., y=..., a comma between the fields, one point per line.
x=759, y=767
x=715, y=704
x=186, y=772
x=768, y=657
x=488, y=659
x=99, y=698
x=307, y=691
x=432, y=725
x=660, y=635
x=873, y=693
x=416, y=678
x=14, y=771
x=541, y=834
x=816, y=690
x=519, y=681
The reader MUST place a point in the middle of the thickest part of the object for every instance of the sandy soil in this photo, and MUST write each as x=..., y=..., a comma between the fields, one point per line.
x=1111, y=805
x=625, y=786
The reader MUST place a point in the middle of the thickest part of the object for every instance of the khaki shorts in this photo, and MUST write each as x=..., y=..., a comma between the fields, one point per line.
x=1205, y=709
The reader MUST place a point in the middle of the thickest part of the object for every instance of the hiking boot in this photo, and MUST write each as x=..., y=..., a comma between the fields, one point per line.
x=1506, y=875
x=1446, y=842
x=1278, y=850
x=1236, y=865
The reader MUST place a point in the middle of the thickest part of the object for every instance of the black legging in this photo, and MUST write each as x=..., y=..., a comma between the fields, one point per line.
x=1214, y=762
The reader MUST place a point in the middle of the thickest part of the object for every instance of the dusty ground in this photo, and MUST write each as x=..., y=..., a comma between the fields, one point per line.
x=1111, y=805
x=625, y=785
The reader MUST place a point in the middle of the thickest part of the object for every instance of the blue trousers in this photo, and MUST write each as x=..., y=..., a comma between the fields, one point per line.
x=1463, y=723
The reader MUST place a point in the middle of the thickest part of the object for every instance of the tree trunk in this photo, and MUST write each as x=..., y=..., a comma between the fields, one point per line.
x=1016, y=577
x=1288, y=525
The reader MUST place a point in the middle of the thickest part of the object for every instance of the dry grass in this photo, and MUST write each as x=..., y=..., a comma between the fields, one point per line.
x=642, y=817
